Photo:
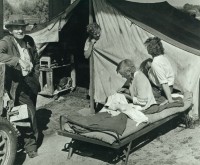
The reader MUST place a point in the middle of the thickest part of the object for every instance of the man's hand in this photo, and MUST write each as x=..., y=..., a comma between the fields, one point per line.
x=25, y=65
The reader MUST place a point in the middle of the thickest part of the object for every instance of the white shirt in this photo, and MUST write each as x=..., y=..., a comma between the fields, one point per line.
x=140, y=88
x=24, y=55
x=161, y=71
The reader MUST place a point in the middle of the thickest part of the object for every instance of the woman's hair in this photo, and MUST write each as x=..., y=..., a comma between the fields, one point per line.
x=126, y=65
x=154, y=46
x=143, y=66
x=93, y=28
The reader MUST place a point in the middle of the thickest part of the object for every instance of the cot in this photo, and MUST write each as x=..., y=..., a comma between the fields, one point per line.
x=131, y=133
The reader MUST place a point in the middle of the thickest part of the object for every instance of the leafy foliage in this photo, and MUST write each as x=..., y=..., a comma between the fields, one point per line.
x=191, y=7
x=193, y=10
x=7, y=10
x=37, y=8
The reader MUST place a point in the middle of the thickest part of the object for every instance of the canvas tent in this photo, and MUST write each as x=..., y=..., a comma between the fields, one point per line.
x=125, y=27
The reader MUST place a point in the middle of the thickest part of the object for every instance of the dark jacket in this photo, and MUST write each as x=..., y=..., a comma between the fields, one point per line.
x=9, y=54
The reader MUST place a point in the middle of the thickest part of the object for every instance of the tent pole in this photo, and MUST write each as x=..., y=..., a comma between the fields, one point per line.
x=1, y=19
x=199, y=101
x=91, y=67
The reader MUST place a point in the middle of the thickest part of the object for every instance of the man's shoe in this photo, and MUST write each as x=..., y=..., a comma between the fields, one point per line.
x=32, y=154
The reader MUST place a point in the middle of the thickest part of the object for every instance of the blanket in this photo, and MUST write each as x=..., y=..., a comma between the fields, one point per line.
x=158, y=108
x=99, y=122
x=117, y=103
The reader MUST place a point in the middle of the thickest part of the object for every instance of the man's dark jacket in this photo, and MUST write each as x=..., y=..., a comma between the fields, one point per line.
x=9, y=54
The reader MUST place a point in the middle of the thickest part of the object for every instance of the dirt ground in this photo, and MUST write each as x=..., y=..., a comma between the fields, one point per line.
x=170, y=145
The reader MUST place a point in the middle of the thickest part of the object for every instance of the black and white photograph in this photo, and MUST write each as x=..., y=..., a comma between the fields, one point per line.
x=99, y=82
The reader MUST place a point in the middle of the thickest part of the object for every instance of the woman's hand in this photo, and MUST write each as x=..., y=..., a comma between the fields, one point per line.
x=123, y=90
x=93, y=41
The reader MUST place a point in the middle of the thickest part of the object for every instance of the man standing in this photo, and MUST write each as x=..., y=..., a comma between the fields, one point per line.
x=18, y=52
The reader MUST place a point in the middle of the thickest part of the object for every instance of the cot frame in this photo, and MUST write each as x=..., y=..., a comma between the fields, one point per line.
x=118, y=144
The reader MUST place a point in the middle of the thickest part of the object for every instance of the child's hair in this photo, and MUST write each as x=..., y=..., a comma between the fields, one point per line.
x=93, y=28
x=154, y=46
x=125, y=65
x=143, y=66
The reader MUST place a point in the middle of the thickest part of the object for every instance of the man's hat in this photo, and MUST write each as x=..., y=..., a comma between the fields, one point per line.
x=15, y=20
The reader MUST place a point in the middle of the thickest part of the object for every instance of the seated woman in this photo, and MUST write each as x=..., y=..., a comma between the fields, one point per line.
x=159, y=95
x=161, y=73
x=140, y=90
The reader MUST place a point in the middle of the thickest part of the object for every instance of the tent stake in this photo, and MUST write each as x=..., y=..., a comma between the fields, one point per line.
x=91, y=67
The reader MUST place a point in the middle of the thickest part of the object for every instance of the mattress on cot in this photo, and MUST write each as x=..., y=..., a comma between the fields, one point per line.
x=131, y=128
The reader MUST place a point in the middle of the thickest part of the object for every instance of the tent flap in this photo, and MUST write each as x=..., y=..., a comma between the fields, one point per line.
x=49, y=32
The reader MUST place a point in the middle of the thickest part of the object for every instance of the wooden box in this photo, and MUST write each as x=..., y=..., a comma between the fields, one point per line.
x=48, y=78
